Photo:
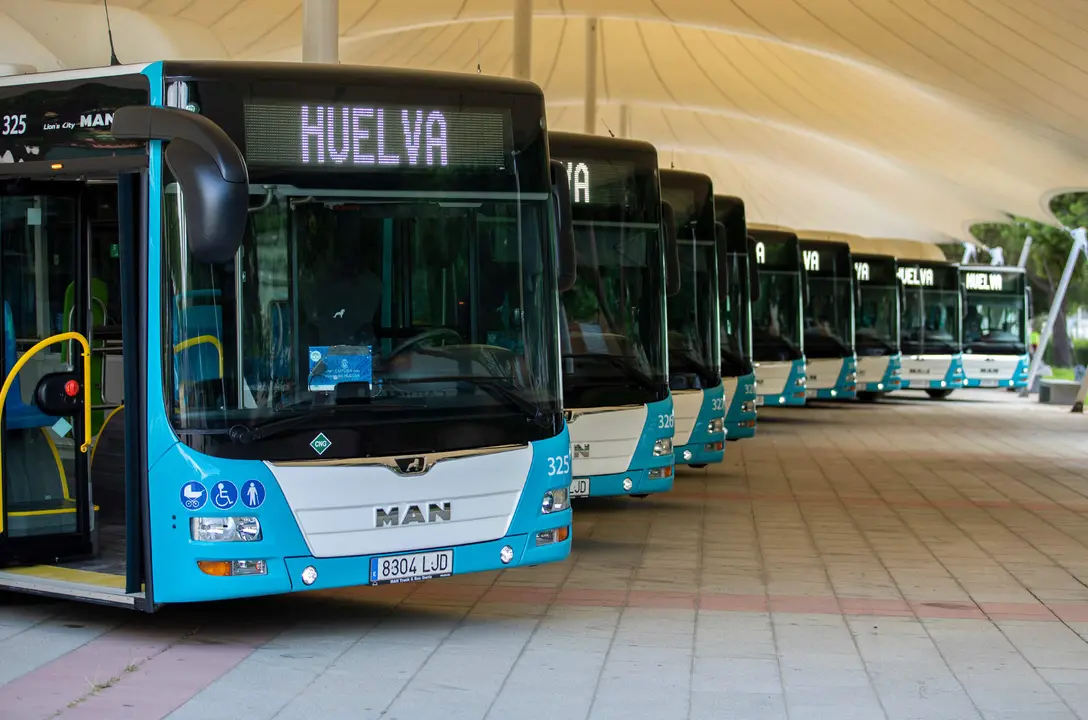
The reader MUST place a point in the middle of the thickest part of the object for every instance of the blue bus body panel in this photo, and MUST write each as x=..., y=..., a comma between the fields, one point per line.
x=177, y=578
x=1018, y=379
x=701, y=437
x=846, y=386
x=794, y=393
x=741, y=424
x=643, y=460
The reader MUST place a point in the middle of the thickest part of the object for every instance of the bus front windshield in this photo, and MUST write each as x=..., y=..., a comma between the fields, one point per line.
x=877, y=320
x=931, y=316
x=736, y=331
x=404, y=324
x=614, y=339
x=828, y=323
x=776, y=317
x=994, y=324
x=694, y=344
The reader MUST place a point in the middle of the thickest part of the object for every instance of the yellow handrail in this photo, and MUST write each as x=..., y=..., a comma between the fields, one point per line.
x=10, y=379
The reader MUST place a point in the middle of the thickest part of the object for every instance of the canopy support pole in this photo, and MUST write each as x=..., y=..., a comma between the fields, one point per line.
x=968, y=253
x=590, y=121
x=321, y=31
x=1024, y=252
x=625, y=121
x=1080, y=245
x=523, y=39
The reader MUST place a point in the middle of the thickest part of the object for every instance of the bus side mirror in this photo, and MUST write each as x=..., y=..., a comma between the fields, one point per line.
x=564, y=224
x=672, y=250
x=209, y=168
x=754, y=292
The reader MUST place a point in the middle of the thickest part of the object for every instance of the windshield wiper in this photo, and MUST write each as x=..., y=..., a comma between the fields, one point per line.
x=497, y=387
x=620, y=362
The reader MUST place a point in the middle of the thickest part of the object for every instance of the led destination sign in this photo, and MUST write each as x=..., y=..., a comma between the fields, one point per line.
x=374, y=137
x=983, y=281
x=600, y=183
x=917, y=276
x=862, y=271
x=777, y=255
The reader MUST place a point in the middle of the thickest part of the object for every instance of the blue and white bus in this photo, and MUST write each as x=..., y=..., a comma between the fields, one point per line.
x=996, y=319
x=615, y=362
x=739, y=286
x=317, y=307
x=831, y=363
x=876, y=333
x=931, y=326
x=778, y=339
x=695, y=374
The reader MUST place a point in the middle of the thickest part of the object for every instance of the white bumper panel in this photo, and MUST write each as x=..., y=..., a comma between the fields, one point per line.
x=872, y=369
x=925, y=368
x=686, y=406
x=337, y=506
x=771, y=377
x=612, y=436
x=823, y=373
x=989, y=367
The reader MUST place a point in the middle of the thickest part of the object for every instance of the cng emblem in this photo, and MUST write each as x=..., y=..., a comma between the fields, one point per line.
x=320, y=444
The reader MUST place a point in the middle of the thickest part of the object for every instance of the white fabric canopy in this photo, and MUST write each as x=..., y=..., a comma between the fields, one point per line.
x=901, y=118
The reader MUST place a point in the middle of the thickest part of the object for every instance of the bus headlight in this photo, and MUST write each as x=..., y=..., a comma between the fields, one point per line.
x=851, y=378
x=748, y=406
x=555, y=500
x=716, y=425
x=225, y=529
x=800, y=382
x=662, y=447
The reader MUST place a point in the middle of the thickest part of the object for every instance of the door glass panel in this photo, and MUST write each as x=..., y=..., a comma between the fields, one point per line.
x=38, y=245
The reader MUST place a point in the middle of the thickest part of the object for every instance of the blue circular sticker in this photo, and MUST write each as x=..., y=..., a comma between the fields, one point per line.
x=252, y=494
x=193, y=495
x=224, y=494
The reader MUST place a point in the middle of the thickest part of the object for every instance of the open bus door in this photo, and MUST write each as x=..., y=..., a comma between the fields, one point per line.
x=73, y=421
x=65, y=485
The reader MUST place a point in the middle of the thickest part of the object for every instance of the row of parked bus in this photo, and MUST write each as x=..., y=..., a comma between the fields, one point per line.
x=276, y=327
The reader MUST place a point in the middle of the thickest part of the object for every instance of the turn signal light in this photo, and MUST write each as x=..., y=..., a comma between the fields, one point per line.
x=229, y=568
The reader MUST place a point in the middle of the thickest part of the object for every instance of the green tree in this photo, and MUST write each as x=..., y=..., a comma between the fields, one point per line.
x=1046, y=261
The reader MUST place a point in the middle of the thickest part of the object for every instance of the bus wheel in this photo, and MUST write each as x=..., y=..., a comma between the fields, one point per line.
x=641, y=495
x=700, y=466
x=939, y=394
x=868, y=397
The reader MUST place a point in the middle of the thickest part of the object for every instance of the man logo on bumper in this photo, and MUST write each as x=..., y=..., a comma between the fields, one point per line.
x=413, y=514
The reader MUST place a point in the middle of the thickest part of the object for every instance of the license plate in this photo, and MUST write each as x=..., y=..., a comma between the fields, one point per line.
x=988, y=382
x=810, y=393
x=411, y=568
x=579, y=487
x=759, y=401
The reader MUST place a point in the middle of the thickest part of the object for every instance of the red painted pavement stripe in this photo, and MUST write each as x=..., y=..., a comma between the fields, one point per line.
x=171, y=678
x=49, y=689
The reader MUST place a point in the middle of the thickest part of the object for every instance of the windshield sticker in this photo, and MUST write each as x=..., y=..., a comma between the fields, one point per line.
x=332, y=365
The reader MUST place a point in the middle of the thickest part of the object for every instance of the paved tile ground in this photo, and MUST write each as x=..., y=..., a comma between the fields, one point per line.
x=912, y=559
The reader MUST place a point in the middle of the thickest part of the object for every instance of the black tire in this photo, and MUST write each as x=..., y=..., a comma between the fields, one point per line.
x=700, y=466
x=868, y=397
x=641, y=495
x=939, y=394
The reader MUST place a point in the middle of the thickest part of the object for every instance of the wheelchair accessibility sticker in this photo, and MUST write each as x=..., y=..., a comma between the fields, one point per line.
x=224, y=494
x=193, y=495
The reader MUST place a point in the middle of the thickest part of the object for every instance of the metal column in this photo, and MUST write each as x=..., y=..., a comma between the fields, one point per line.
x=1080, y=245
x=523, y=39
x=590, y=122
x=321, y=31
x=625, y=121
x=1024, y=252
